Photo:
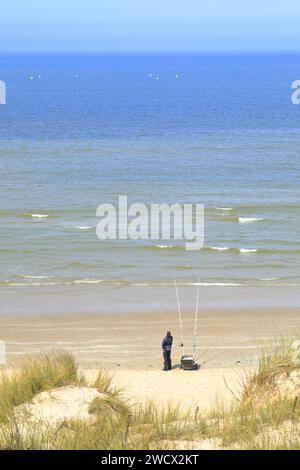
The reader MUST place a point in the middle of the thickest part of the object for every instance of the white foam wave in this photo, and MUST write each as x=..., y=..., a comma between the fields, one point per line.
x=88, y=281
x=141, y=284
x=248, y=220
x=219, y=248
x=248, y=250
x=32, y=284
x=224, y=208
x=35, y=277
x=40, y=216
x=83, y=227
x=207, y=284
x=164, y=246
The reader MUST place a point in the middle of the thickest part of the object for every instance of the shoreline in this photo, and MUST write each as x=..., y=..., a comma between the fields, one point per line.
x=108, y=299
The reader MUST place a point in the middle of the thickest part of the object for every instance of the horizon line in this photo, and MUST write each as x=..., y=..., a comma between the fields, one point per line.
x=146, y=53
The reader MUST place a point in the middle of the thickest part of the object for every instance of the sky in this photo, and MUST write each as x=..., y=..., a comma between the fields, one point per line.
x=149, y=26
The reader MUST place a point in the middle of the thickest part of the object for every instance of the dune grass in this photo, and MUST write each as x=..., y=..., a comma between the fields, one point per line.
x=262, y=417
x=111, y=429
x=239, y=424
x=275, y=361
x=104, y=383
x=281, y=441
x=261, y=410
x=37, y=374
x=109, y=404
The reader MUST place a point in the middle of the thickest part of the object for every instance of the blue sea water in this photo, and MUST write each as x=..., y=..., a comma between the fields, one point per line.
x=217, y=130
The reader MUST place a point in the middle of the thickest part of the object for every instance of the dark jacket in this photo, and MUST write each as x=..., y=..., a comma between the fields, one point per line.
x=167, y=343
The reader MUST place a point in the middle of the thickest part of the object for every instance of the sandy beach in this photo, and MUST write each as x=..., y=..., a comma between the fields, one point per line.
x=188, y=390
x=229, y=343
x=133, y=341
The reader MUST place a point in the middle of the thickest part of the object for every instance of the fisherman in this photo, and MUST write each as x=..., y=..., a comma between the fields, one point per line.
x=167, y=347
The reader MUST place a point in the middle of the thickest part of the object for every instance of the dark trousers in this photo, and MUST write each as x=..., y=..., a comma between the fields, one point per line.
x=167, y=360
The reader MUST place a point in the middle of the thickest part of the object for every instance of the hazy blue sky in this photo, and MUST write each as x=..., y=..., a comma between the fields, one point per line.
x=149, y=26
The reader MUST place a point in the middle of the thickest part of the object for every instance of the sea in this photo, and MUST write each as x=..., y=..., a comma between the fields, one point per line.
x=78, y=131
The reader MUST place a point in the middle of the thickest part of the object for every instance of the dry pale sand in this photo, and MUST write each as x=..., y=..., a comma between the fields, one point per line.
x=60, y=404
x=188, y=389
x=195, y=392
x=130, y=345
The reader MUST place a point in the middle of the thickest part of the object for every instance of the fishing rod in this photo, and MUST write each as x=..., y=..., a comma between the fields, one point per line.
x=188, y=362
x=196, y=320
x=180, y=319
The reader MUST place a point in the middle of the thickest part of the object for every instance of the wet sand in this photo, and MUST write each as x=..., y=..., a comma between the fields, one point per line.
x=91, y=299
x=133, y=341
